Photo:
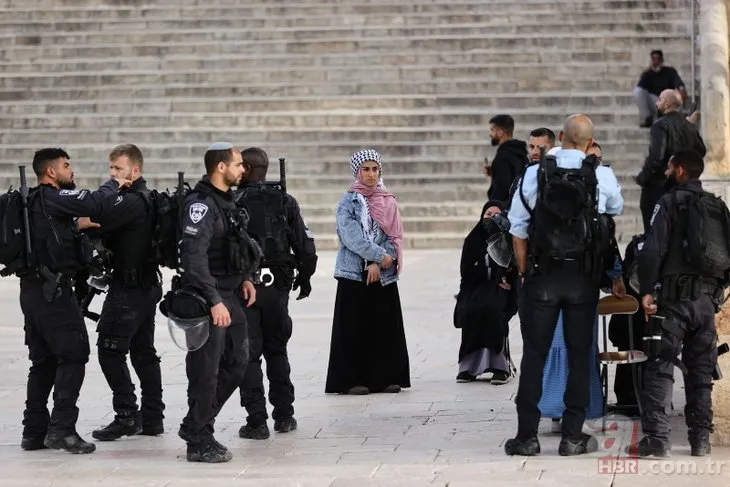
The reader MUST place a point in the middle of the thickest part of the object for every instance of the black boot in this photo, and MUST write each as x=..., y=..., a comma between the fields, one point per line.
x=699, y=442
x=151, y=428
x=118, y=428
x=254, y=433
x=71, y=442
x=209, y=452
x=651, y=447
x=525, y=447
x=285, y=425
x=577, y=446
x=30, y=443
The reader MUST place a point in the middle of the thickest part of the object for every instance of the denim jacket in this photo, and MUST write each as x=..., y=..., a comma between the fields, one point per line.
x=355, y=249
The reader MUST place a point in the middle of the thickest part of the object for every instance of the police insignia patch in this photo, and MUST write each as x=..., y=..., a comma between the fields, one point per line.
x=119, y=200
x=68, y=192
x=653, y=215
x=198, y=211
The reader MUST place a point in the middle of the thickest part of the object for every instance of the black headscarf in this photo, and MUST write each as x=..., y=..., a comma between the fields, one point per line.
x=475, y=244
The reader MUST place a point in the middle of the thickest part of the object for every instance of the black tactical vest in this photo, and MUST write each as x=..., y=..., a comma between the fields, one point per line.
x=131, y=245
x=676, y=261
x=57, y=243
x=267, y=224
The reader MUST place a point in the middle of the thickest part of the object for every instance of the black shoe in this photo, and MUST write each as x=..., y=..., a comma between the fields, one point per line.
x=72, y=443
x=116, y=429
x=699, y=442
x=30, y=443
x=210, y=452
x=517, y=446
x=577, y=446
x=392, y=389
x=257, y=433
x=499, y=378
x=152, y=429
x=465, y=377
x=651, y=447
x=183, y=433
x=285, y=425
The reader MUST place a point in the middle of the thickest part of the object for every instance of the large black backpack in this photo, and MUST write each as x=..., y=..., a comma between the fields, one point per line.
x=166, y=210
x=267, y=224
x=12, y=236
x=565, y=223
x=708, y=234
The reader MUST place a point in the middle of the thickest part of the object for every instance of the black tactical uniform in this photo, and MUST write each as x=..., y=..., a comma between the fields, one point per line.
x=55, y=332
x=209, y=265
x=127, y=323
x=276, y=222
x=689, y=327
x=670, y=133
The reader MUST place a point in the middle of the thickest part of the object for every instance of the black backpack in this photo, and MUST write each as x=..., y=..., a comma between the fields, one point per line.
x=166, y=209
x=708, y=234
x=267, y=224
x=12, y=236
x=565, y=221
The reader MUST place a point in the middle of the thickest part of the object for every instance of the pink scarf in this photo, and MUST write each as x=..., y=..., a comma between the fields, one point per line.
x=384, y=210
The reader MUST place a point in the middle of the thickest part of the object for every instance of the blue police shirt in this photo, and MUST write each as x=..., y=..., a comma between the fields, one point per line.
x=610, y=201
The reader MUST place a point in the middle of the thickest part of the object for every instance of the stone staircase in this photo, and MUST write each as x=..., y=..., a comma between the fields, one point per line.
x=314, y=81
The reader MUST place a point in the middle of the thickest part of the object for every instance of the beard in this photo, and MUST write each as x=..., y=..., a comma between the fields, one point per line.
x=495, y=142
x=232, y=180
x=670, y=183
x=70, y=185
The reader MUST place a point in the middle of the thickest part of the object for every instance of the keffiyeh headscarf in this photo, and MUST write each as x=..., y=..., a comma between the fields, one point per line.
x=379, y=203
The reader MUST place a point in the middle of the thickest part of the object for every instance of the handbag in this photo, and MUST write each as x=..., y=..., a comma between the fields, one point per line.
x=474, y=305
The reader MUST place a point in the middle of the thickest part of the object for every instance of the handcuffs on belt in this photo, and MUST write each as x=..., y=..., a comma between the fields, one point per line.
x=264, y=277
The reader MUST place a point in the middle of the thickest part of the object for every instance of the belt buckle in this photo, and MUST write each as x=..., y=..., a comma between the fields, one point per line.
x=266, y=277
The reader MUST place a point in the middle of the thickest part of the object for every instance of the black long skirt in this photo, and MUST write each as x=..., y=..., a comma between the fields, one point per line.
x=368, y=346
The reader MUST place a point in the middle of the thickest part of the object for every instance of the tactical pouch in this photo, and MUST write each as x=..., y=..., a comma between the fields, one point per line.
x=653, y=338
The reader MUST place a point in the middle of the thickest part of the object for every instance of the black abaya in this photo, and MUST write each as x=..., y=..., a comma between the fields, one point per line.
x=368, y=346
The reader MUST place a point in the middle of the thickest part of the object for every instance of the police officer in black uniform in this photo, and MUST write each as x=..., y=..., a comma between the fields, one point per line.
x=275, y=221
x=55, y=332
x=686, y=302
x=127, y=324
x=216, y=264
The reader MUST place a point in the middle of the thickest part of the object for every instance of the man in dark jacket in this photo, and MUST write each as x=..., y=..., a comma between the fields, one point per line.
x=510, y=159
x=655, y=79
x=671, y=133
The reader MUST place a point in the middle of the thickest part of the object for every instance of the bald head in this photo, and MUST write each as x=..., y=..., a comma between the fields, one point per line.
x=577, y=132
x=669, y=101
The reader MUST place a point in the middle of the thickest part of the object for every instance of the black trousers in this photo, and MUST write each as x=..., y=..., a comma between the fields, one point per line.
x=58, y=348
x=127, y=326
x=650, y=196
x=691, y=331
x=542, y=297
x=215, y=371
x=269, y=329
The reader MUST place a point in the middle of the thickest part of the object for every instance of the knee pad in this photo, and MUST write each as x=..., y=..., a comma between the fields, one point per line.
x=111, y=343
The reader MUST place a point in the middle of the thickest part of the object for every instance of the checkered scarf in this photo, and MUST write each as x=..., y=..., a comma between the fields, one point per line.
x=360, y=157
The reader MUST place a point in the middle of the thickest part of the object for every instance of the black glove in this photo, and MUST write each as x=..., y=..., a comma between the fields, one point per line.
x=305, y=287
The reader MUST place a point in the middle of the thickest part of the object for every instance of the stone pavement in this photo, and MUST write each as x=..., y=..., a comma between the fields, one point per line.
x=436, y=433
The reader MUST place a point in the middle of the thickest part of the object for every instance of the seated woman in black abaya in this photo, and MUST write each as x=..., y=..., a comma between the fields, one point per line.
x=486, y=302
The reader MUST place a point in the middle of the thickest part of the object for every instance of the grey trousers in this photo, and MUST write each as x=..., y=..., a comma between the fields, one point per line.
x=646, y=103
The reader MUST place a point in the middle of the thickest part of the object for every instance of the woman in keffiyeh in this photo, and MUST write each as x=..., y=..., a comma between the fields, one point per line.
x=368, y=351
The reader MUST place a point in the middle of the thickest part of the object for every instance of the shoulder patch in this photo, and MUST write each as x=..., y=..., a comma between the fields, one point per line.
x=653, y=215
x=198, y=211
x=120, y=198
x=68, y=192
x=190, y=230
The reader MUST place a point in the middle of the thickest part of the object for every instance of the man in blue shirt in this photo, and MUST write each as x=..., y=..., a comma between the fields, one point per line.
x=555, y=282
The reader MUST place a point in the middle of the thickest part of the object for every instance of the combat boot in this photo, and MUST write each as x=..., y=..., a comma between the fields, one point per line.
x=209, y=452
x=118, y=428
x=70, y=442
x=699, y=442
x=254, y=433
x=285, y=425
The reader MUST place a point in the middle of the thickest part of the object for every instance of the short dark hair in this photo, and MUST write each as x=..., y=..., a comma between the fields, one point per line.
x=44, y=157
x=215, y=157
x=657, y=52
x=690, y=160
x=544, y=132
x=255, y=157
x=504, y=122
x=129, y=150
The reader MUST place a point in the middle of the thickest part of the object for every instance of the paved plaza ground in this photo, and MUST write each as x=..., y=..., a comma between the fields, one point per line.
x=436, y=433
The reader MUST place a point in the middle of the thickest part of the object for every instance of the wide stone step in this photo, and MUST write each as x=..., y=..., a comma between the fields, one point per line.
x=335, y=34
x=44, y=9
x=338, y=60
x=178, y=106
x=446, y=209
x=128, y=21
x=624, y=41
